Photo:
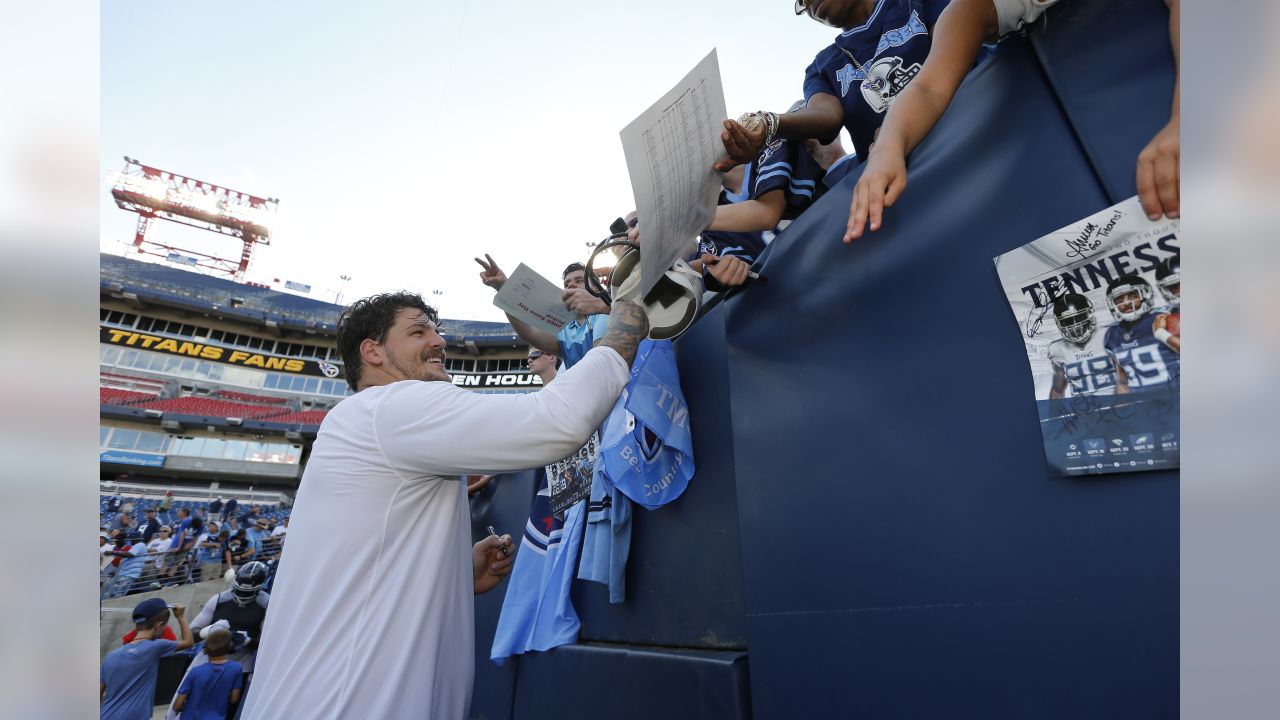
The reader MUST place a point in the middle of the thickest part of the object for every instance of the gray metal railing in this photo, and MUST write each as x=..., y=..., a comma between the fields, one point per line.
x=165, y=568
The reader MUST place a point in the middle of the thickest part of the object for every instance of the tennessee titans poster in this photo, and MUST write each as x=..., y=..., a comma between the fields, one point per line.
x=1099, y=307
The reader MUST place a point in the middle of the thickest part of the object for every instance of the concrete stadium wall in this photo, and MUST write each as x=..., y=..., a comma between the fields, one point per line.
x=116, y=620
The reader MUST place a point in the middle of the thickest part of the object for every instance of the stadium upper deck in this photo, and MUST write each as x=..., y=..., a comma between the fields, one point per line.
x=122, y=277
x=203, y=376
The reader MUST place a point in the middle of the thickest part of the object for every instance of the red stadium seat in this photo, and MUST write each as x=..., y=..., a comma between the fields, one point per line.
x=210, y=407
x=246, y=397
x=305, y=417
x=115, y=396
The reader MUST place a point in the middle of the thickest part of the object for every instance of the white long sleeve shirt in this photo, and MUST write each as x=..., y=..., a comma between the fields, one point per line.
x=371, y=612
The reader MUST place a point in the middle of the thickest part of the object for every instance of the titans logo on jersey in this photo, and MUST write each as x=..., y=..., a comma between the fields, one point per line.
x=890, y=47
x=1145, y=360
x=1090, y=369
x=885, y=80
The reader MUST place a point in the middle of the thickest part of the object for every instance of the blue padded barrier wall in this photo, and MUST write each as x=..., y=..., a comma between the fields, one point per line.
x=905, y=553
x=684, y=589
x=684, y=577
x=504, y=504
x=872, y=518
x=1103, y=61
x=616, y=682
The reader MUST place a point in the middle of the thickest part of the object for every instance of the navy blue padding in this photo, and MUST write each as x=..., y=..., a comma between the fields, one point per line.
x=904, y=551
x=592, y=682
x=504, y=504
x=1104, y=60
x=684, y=577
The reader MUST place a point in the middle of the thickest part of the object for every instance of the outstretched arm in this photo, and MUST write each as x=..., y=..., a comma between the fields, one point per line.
x=541, y=339
x=1158, y=174
x=957, y=37
x=494, y=277
x=436, y=429
x=821, y=118
x=755, y=215
x=185, y=640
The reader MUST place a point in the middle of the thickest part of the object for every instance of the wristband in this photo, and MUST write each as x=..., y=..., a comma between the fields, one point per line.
x=1163, y=335
x=771, y=122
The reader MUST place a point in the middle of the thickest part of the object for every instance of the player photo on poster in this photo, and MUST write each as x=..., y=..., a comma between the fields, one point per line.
x=1099, y=307
x=570, y=479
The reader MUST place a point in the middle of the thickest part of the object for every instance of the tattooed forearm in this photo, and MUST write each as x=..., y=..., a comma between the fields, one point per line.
x=628, y=325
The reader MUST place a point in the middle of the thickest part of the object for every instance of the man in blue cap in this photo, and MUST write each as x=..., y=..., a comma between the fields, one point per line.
x=128, y=674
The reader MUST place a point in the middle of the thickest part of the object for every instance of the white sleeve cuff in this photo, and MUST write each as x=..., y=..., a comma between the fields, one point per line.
x=1013, y=15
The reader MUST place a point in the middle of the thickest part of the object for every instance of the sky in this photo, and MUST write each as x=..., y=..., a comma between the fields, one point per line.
x=403, y=139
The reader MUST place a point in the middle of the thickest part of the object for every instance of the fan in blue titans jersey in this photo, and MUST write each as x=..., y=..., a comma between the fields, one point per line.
x=853, y=81
x=871, y=62
x=957, y=42
x=1146, y=360
x=783, y=180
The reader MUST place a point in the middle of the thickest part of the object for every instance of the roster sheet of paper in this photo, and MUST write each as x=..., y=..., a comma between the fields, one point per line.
x=670, y=149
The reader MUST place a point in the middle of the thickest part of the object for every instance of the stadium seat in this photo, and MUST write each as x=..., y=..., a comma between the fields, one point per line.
x=209, y=407
x=115, y=396
x=305, y=417
x=246, y=397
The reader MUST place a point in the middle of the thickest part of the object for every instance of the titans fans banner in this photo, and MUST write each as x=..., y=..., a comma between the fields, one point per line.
x=1098, y=304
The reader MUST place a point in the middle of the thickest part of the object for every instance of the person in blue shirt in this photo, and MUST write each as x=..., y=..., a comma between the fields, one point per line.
x=132, y=558
x=958, y=39
x=758, y=199
x=208, y=691
x=852, y=82
x=256, y=533
x=150, y=526
x=184, y=541
x=575, y=339
x=209, y=552
x=127, y=677
x=252, y=517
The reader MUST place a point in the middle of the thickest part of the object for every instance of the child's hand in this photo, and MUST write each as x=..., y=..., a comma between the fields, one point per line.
x=882, y=181
x=727, y=269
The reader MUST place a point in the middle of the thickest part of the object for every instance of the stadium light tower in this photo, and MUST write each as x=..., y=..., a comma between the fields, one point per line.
x=155, y=193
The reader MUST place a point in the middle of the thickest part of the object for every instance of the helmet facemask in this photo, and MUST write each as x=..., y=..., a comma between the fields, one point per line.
x=1077, y=325
x=1143, y=304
